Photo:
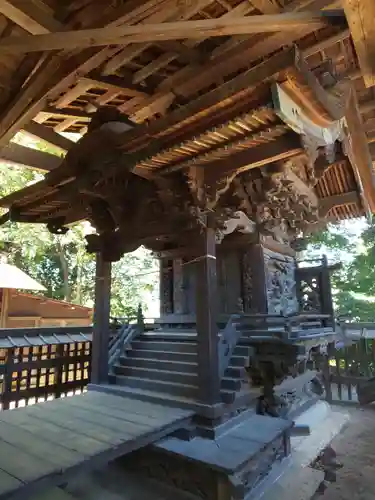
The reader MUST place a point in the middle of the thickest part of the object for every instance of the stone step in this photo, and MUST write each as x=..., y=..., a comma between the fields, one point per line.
x=162, y=364
x=231, y=384
x=156, y=374
x=188, y=357
x=236, y=372
x=227, y=396
x=166, y=346
x=179, y=335
x=176, y=389
x=239, y=361
x=240, y=350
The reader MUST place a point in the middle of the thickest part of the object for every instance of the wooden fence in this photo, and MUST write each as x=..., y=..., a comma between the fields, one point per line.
x=38, y=364
x=351, y=365
x=41, y=364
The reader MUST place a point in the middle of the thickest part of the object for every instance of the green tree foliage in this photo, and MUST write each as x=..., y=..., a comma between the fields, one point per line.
x=61, y=262
x=354, y=283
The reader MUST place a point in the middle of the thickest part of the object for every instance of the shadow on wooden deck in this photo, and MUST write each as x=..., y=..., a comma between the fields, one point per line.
x=42, y=445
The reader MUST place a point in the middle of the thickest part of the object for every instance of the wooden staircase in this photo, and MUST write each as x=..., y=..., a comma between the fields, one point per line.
x=162, y=362
x=165, y=362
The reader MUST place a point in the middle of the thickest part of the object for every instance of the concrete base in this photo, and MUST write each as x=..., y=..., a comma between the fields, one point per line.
x=239, y=465
x=296, y=473
x=249, y=462
x=226, y=468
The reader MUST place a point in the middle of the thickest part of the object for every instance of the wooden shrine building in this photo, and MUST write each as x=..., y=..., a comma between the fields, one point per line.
x=19, y=309
x=217, y=133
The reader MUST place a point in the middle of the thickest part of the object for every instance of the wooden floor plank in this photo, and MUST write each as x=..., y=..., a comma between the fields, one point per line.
x=69, y=423
x=123, y=429
x=8, y=483
x=47, y=450
x=21, y=464
x=135, y=406
x=40, y=444
x=117, y=412
x=82, y=444
x=53, y=494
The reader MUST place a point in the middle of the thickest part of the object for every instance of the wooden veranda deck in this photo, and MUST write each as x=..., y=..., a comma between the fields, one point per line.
x=42, y=444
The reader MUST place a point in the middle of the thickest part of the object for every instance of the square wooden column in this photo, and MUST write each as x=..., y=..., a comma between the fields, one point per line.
x=326, y=291
x=206, y=319
x=100, y=339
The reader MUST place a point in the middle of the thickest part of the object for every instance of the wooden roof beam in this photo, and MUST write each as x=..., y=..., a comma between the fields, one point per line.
x=177, y=50
x=279, y=149
x=53, y=112
x=338, y=200
x=48, y=135
x=171, y=31
x=116, y=83
x=28, y=157
x=267, y=6
x=59, y=72
x=206, y=104
x=360, y=15
x=33, y=16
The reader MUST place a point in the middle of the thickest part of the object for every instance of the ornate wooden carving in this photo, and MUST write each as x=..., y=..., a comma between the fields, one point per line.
x=281, y=283
x=247, y=281
x=166, y=286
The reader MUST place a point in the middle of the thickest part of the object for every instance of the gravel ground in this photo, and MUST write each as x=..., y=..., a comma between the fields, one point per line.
x=355, y=448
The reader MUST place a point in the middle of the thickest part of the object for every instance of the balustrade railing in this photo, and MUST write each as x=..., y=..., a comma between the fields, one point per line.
x=37, y=364
x=350, y=364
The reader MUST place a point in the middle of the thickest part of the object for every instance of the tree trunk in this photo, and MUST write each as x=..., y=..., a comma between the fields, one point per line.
x=65, y=271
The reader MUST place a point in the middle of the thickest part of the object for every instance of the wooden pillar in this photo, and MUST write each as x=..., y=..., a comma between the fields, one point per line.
x=99, y=356
x=326, y=290
x=259, y=280
x=166, y=287
x=178, y=287
x=4, y=306
x=206, y=319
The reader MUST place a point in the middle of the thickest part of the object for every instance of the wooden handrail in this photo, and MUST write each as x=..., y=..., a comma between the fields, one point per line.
x=127, y=333
x=228, y=339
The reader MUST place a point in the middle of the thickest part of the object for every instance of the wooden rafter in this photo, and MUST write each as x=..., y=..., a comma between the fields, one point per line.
x=77, y=114
x=31, y=158
x=338, y=200
x=171, y=31
x=219, y=97
x=57, y=72
x=267, y=6
x=116, y=83
x=190, y=80
x=360, y=15
x=33, y=16
x=46, y=134
x=239, y=11
x=281, y=148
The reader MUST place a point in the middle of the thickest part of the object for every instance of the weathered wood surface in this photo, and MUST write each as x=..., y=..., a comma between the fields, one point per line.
x=40, y=445
x=171, y=31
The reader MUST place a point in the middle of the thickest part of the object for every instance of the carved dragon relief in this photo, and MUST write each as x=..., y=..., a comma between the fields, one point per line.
x=281, y=283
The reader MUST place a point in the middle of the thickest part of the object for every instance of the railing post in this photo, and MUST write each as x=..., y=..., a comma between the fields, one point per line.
x=327, y=372
x=326, y=292
x=59, y=369
x=8, y=377
x=100, y=338
x=140, y=319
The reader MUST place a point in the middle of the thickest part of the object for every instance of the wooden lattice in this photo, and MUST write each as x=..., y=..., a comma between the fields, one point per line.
x=37, y=373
